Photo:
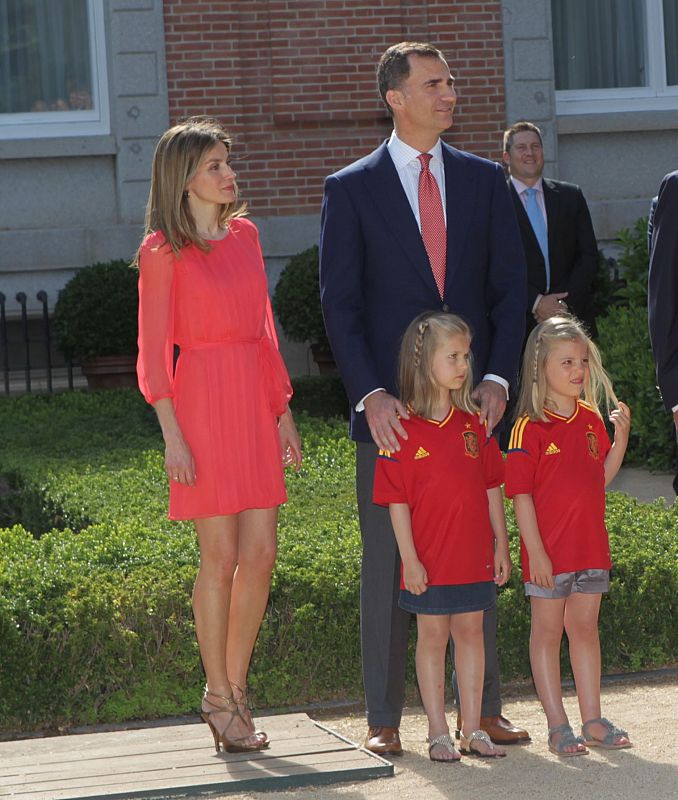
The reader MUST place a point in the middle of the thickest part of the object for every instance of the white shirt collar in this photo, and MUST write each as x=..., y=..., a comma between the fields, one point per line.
x=402, y=154
x=522, y=187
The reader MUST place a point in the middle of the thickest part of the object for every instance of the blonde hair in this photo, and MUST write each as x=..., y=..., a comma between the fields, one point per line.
x=418, y=388
x=533, y=395
x=177, y=157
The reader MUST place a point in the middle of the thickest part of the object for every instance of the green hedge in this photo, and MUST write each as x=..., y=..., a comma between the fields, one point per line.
x=95, y=617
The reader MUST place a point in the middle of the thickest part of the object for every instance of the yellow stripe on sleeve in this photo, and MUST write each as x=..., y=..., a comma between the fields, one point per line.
x=516, y=440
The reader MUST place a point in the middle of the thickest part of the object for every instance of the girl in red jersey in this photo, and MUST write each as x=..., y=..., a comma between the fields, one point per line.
x=559, y=462
x=443, y=490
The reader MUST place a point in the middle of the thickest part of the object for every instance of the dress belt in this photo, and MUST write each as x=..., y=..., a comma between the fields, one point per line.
x=274, y=373
x=220, y=343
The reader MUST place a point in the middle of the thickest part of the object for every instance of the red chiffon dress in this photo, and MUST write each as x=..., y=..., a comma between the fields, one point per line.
x=230, y=383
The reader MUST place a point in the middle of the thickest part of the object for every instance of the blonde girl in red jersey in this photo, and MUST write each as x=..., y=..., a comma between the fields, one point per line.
x=443, y=490
x=559, y=462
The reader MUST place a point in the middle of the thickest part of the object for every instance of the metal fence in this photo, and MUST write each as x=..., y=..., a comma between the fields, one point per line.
x=22, y=345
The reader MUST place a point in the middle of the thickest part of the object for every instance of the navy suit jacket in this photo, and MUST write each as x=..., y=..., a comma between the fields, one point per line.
x=375, y=276
x=663, y=288
x=573, y=251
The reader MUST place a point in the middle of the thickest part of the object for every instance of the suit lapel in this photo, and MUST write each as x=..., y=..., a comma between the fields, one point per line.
x=460, y=195
x=383, y=184
x=552, y=202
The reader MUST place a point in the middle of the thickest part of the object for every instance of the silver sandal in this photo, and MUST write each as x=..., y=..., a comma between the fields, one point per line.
x=444, y=740
x=466, y=746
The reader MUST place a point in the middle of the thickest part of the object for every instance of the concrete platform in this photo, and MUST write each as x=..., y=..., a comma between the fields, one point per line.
x=180, y=760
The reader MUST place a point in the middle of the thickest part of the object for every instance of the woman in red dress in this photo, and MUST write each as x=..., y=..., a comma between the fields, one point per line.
x=224, y=411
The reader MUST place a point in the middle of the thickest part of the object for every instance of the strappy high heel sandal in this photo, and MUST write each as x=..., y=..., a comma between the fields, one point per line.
x=245, y=711
x=228, y=706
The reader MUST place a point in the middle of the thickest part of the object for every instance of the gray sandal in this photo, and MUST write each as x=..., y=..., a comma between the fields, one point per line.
x=444, y=740
x=567, y=739
x=608, y=741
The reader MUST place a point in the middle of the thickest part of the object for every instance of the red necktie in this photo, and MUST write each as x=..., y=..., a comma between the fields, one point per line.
x=433, y=230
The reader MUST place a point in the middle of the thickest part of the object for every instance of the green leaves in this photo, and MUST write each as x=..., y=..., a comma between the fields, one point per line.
x=296, y=300
x=95, y=609
x=96, y=312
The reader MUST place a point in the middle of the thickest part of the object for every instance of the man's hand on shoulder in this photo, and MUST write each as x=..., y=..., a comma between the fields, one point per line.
x=383, y=412
x=492, y=398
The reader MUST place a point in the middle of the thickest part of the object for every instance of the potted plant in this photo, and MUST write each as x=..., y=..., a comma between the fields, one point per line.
x=95, y=320
x=296, y=302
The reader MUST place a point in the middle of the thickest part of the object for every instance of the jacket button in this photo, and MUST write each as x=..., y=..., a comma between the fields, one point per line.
x=445, y=307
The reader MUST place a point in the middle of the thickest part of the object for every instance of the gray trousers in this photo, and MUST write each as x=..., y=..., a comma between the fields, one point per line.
x=384, y=625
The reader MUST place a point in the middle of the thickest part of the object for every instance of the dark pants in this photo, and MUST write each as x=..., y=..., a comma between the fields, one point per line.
x=383, y=625
x=675, y=480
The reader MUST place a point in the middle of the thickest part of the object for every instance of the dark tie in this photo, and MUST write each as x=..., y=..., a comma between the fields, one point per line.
x=432, y=218
x=539, y=227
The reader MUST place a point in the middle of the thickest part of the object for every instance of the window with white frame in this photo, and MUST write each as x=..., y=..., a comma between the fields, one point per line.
x=53, y=79
x=615, y=55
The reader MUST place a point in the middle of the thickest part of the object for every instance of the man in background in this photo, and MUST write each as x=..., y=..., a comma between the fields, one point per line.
x=556, y=229
x=662, y=294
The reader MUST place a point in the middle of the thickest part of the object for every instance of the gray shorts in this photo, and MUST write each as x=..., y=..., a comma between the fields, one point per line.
x=587, y=581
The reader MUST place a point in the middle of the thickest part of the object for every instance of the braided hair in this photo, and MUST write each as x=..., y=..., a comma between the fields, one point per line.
x=418, y=388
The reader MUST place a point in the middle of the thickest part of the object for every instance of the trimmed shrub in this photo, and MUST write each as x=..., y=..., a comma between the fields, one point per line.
x=96, y=624
x=296, y=299
x=96, y=312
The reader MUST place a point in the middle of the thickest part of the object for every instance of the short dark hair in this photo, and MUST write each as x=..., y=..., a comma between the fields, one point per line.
x=394, y=65
x=519, y=127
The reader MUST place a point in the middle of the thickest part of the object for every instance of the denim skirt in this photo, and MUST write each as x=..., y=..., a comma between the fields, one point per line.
x=456, y=599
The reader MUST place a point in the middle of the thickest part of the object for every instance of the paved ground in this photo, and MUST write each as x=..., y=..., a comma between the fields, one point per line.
x=646, y=708
x=644, y=485
x=649, y=770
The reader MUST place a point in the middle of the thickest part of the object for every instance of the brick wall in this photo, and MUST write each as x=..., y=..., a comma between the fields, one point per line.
x=294, y=81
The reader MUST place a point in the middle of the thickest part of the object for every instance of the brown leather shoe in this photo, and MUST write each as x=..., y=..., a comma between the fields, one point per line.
x=500, y=730
x=383, y=740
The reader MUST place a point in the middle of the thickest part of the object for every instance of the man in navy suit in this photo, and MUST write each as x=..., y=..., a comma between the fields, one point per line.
x=662, y=294
x=561, y=268
x=375, y=277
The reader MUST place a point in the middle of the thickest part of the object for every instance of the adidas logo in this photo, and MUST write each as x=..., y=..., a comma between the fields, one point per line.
x=551, y=450
x=421, y=453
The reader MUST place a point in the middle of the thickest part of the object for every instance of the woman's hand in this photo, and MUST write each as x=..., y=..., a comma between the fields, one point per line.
x=415, y=577
x=179, y=461
x=290, y=441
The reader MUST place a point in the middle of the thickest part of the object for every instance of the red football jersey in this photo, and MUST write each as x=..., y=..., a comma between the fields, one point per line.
x=442, y=472
x=561, y=463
